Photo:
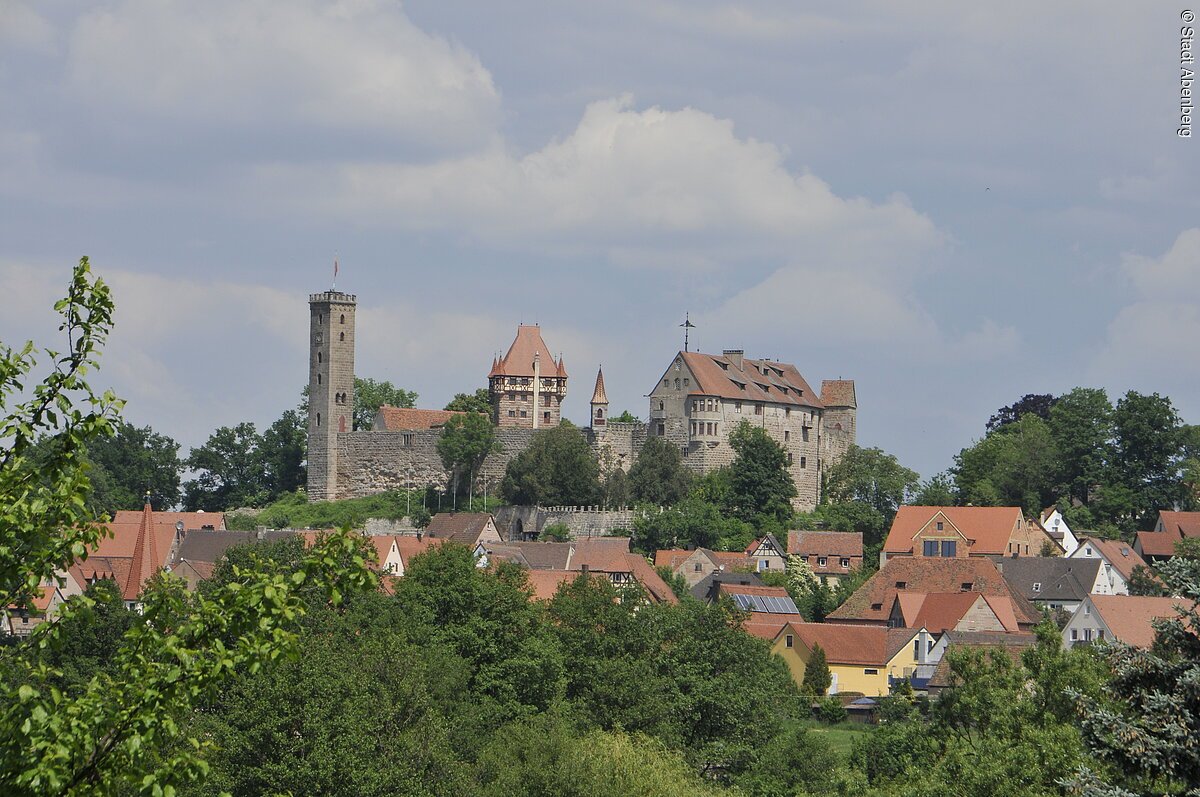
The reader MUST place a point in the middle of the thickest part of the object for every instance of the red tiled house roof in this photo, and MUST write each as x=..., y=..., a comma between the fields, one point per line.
x=1119, y=554
x=753, y=380
x=396, y=419
x=987, y=529
x=872, y=602
x=1129, y=617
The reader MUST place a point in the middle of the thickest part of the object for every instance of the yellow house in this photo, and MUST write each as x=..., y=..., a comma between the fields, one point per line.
x=861, y=658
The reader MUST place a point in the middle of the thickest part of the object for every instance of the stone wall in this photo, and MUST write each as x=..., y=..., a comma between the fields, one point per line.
x=372, y=462
x=617, y=445
x=517, y=522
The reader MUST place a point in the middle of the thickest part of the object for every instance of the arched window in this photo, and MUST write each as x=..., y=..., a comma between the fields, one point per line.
x=318, y=419
x=343, y=319
x=341, y=336
x=319, y=357
x=320, y=319
x=318, y=379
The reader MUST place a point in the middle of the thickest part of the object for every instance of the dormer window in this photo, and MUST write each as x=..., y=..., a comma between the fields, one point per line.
x=1037, y=586
x=966, y=586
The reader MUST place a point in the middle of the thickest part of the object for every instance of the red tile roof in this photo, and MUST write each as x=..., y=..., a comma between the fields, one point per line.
x=825, y=543
x=989, y=528
x=1186, y=524
x=755, y=380
x=765, y=626
x=1157, y=543
x=191, y=520
x=598, y=395
x=519, y=360
x=919, y=574
x=1129, y=616
x=146, y=560
x=463, y=528
x=545, y=583
x=851, y=644
x=838, y=393
x=396, y=419
x=1118, y=553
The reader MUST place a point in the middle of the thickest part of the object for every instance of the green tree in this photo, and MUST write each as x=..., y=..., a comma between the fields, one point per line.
x=759, y=477
x=817, y=678
x=370, y=395
x=1039, y=404
x=617, y=491
x=555, y=532
x=625, y=417
x=464, y=444
x=937, y=490
x=479, y=401
x=690, y=523
x=658, y=476
x=870, y=476
x=119, y=732
x=1149, y=448
x=133, y=462
x=1081, y=423
x=1015, y=466
x=557, y=469
x=282, y=450
x=229, y=469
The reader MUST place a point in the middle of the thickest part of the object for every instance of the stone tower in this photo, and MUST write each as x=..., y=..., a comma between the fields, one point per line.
x=838, y=421
x=599, y=405
x=527, y=386
x=330, y=386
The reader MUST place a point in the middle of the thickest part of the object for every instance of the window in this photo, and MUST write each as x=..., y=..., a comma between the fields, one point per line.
x=929, y=646
x=876, y=607
x=318, y=379
x=712, y=428
x=341, y=336
x=822, y=561
x=407, y=439
x=803, y=462
x=524, y=414
x=512, y=413
x=966, y=586
x=666, y=383
x=1037, y=586
x=661, y=430
x=1087, y=609
x=941, y=526
x=930, y=548
x=737, y=406
x=1087, y=635
x=788, y=640
x=789, y=457
x=676, y=383
x=320, y=319
x=845, y=563
x=804, y=433
x=901, y=585
x=318, y=419
x=699, y=567
x=786, y=435
x=1100, y=634
x=693, y=427
x=870, y=671
x=318, y=357
x=949, y=548
x=686, y=382
x=343, y=319
x=545, y=416
x=758, y=409
x=787, y=411
x=1087, y=551
x=916, y=648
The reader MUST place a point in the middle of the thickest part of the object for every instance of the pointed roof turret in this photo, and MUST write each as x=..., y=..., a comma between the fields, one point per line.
x=146, y=559
x=598, y=395
x=527, y=347
x=561, y=370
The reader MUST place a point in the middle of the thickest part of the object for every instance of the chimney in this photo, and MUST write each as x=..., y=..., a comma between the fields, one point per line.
x=734, y=356
x=420, y=535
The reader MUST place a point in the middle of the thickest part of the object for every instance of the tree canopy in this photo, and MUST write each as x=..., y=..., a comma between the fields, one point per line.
x=370, y=395
x=658, y=476
x=759, y=479
x=479, y=401
x=465, y=442
x=559, y=468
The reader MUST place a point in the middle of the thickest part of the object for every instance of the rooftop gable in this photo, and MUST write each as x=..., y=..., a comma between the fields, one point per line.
x=987, y=528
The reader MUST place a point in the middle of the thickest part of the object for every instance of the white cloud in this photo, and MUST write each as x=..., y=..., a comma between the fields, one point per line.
x=353, y=65
x=1151, y=342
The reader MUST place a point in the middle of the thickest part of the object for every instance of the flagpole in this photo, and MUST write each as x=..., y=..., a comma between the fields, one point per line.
x=335, y=273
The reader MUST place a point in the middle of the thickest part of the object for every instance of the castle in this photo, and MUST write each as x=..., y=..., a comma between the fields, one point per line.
x=695, y=405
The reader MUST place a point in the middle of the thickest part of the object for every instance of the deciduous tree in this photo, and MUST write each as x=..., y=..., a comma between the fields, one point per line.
x=479, y=401
x=759, y=478
x=558, y=468
x=658, y=476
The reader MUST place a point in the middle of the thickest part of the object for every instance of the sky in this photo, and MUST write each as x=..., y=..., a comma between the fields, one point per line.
x=953, y=204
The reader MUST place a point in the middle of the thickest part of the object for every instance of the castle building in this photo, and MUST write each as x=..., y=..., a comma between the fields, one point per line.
x=330, y=386
x=702, y=398
x=527, y=386
x=599, y=405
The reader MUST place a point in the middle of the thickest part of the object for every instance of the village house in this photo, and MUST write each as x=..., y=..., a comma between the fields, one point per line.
x=41, y=608
x=831, y=555
x=874, y=601
x=1052, y=521
x=954, y=611
x=933, y=675
x=463, y=528
x=696, y=565
x=1052, y=582
x=950, y=532
x=863, y=659
x=1118, y=560
x=707, y=589
x=1159, y=544
x=1118, y=618
x=767, y=554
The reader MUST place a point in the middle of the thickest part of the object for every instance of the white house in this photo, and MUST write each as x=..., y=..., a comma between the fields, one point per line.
x=1118, y=561
x=1056, y=526
x=1118, y=618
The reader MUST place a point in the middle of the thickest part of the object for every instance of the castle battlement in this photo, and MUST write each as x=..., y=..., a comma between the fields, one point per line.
x=336, y=297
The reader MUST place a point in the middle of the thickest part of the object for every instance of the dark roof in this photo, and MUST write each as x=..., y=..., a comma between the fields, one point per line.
x=463, y=528
x=210, y=546
x=920, y=574
x=706, y=588
x=534, y=555
x=1059, y=579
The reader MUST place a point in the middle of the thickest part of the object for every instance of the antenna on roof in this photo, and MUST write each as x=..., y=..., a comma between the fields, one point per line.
x=688, y=326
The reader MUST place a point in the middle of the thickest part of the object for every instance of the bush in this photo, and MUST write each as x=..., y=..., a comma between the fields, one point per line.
x=830, y=710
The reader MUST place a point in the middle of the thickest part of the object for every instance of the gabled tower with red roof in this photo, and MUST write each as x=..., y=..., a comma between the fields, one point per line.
x=527, y=385
x=146, y=560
